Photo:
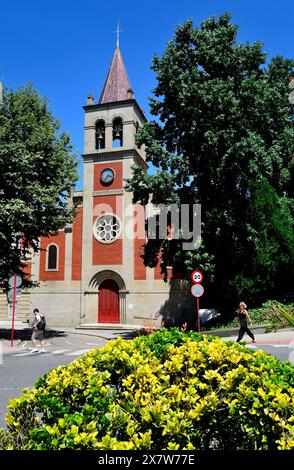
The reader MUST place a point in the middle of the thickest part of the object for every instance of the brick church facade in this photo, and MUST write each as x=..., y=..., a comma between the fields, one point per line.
x=91, y=272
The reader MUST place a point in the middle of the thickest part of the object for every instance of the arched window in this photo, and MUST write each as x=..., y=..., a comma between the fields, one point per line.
x=117, y=133
x=100, y=135
x=52, y=258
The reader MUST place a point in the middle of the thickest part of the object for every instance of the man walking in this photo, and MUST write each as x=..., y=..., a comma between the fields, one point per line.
x=38, y=331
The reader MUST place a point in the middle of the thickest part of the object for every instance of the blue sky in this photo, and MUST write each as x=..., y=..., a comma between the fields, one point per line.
x=65, y=47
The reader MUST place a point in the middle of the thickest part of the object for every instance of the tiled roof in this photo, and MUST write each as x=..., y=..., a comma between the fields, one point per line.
x=117, y=83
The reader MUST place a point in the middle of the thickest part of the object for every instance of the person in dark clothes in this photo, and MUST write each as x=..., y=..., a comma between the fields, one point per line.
x=243, y=317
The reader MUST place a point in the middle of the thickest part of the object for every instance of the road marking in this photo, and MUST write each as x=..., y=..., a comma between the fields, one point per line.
x=60, y=351
x=78, y=353
x=53, y=353
x=30, y=353
x=92, y=344
x=251, y=346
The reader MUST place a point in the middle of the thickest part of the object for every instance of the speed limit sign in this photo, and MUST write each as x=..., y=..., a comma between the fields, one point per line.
x=197, y=276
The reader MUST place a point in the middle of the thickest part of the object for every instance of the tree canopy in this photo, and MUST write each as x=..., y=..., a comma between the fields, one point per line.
x=38, y=171
x=223, y=128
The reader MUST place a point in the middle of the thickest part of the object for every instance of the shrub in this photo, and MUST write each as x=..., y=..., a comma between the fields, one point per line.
x=275, y=314
x=169, y=390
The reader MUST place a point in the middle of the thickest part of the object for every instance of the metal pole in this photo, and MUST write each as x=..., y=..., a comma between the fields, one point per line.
x=13, y=309
x=198, y=315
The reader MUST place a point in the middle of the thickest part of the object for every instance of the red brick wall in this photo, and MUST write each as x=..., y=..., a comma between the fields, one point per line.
x=77, y=245
x=157, y=271
x=118, y=176
x=59, y=240
x=139, y=241
x=27, y=270
x=139, y=266
x=107, y=253
x=171, y=273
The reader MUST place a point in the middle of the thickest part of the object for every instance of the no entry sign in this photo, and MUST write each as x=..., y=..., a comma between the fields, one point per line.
x=197, y=276
x=197, y=290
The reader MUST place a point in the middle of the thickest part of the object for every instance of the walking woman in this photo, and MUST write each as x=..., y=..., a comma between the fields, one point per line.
x=243, y=316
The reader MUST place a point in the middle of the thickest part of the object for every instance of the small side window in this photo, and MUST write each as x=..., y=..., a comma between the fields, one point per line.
x=52, y=258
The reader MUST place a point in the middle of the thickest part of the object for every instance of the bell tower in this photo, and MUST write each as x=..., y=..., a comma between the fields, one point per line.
x=110, y=151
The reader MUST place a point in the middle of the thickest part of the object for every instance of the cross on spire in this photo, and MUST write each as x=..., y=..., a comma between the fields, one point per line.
x=117, y=33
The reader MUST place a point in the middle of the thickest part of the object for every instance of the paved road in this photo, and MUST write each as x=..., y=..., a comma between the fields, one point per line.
x=20, y=367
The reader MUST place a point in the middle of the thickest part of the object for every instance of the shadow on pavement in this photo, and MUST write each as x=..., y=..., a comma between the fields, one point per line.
x=26, y=333
x=126, y=334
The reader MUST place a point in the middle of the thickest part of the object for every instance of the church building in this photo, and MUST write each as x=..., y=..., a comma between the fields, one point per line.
x=91, y=273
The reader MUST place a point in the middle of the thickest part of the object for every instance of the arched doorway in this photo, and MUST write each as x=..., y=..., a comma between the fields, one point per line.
x=108, y=302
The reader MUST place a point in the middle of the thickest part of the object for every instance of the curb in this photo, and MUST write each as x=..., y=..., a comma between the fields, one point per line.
x=257, y=329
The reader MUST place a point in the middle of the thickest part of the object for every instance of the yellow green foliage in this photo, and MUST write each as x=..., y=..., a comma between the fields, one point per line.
x=169, y=390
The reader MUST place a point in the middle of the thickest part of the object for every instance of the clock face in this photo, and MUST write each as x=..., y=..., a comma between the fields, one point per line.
x=107, y=176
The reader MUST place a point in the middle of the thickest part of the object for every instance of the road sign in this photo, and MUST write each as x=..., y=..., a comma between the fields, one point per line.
x=197, y=276
x=18, y=281
x=197, y=290
x=13, y=294
x=10, y=294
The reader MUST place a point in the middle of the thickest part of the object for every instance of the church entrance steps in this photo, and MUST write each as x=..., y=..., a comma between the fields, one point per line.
x=107, y=326
x=22, y=311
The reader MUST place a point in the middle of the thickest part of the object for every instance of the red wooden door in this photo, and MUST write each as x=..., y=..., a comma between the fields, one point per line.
x=108, y=302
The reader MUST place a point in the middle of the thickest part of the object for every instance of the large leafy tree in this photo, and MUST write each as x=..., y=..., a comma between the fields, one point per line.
x=38, y=171
x=222, y=124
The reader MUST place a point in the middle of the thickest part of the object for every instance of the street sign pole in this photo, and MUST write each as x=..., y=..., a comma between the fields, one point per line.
x=198, y=314
x=197, y=291
x=13, y=309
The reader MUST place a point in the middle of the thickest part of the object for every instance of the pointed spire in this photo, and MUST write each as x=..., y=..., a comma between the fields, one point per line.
x=117, y=86
x=117, y=33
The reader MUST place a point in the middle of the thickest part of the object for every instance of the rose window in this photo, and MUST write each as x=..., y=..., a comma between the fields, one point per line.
x=107, y=228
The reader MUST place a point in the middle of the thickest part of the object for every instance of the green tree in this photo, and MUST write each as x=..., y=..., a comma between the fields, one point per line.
x=38, y=171
x=222, y=121
x=268, y=268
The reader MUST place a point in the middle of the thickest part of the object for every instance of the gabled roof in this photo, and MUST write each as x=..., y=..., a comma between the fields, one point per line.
x=117, y=83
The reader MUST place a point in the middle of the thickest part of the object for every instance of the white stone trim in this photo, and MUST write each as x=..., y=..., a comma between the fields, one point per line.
x=116, y=116
x=107, y=192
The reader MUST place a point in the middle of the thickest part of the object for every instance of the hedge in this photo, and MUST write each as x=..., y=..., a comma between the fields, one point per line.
x=275, y=314
x=169, y=390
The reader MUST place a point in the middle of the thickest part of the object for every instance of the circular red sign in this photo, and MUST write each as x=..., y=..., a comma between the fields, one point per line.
x=197, y=276
x=197, y=290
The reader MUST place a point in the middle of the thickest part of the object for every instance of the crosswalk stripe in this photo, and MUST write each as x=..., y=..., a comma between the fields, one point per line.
x=78, y=353
x=60, y=351
x=68, y=352
x=52, y=353
x=30, y=353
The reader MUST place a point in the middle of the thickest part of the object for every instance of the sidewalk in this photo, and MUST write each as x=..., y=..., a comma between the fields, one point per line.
x=280, y=337
x=283, y=336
